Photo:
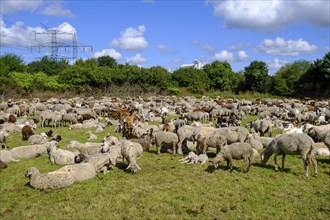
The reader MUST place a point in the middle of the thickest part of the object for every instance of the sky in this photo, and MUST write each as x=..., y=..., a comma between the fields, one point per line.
x=169, y=33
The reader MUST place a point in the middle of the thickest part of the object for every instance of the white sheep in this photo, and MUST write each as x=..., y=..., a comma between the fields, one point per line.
x=193, y=158
x=91, y=136
x=87, y=148
x=80, y=172
x=31, y=151
x=60, y=156
x=296, y=144
x=37, y=139
x=102, y=162
x=131, y=152
x=51, y=180
x=5, y=156
x=3, y=138
x=164, y=137
x=235, y=151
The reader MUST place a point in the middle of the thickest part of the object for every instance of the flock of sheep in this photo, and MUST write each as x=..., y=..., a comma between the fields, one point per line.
x=199, y=125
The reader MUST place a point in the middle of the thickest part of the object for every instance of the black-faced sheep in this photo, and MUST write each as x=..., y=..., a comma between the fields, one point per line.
x=296, y=144
x=235, y=151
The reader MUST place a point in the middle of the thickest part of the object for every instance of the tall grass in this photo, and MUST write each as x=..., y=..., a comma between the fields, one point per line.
x=166, y=189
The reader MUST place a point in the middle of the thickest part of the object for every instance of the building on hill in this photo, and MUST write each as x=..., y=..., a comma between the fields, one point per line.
x=196, y=65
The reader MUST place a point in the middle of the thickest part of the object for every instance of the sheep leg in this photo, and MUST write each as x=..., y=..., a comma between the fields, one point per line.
x=247, y=163
x=174, y=147
x=275, y=162
x=314, y=162
x=180, y=148
x=283, y=159
x=305, y=166
x=231, y=165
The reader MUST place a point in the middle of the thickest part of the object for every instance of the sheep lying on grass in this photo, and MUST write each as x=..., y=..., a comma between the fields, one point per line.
x=37, y=139
x=87, y=148
x=80, y=172
x=194, y=158
x=51, y=180
x=236, y=151
x=296, y=144
x=60, y=156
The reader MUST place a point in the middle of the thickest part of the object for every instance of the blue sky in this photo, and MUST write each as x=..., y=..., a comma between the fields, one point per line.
x=171, y=33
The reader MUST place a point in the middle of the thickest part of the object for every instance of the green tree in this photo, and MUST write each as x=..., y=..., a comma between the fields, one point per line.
x=221, y=75
x=106, y=61
x=256, y=77
x=195, y=80
x=48, y=66
x=11, y=63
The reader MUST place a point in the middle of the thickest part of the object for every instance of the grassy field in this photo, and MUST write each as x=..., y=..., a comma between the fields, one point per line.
x=166, y=189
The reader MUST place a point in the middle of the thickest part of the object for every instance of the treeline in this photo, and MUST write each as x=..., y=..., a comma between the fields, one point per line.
x=104, y=75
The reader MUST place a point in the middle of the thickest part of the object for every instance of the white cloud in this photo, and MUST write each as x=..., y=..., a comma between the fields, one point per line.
x=268, y=16
x=223, y=56
x=57, y=9
x=282, y=47
x=242, y=56
x=108, y=52
x=19, y=5
x=131, y=39
x=276, y=64
x=208, y=48
x=136, y=60
x=20, y=35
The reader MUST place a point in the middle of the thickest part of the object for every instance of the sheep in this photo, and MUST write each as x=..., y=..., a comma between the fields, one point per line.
x=131, y=152
x=5, y=156
x=60, y=156
x=185, y=133
x=37, y=139
x=263, y=140
x=178, y=123
x=3, y=165
x=214, y=140
x=3, y=138
x=26, y=132
x=31, y=151
x=262, y=126
x=256, y=144
x=87, y=148
x=145, y=141
x=297, y=144
x=80, y=172
x=322, y=151
x=193, y=158
x=322, y=135
x=51, y=180
x=91, y=136
x=164, y=137
x=236, y=151
x=102, y=162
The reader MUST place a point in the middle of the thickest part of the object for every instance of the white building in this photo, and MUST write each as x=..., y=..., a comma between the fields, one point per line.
x=196, y=65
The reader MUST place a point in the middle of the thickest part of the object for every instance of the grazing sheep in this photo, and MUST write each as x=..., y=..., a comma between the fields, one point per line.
x=164, y=137
x=131, y=152
x=235, y=151
x=213, y=140
x=26, y=132
x=51, y=180
x=263, y=140
x=80, y=172
x=178, y=123
x=322, y=135
x=145, y=141
x=87, y=148
x=296, y=144
x=254, y=143
x=3, y=165
x=185, y=133
x=262, y=126
x=193, y=158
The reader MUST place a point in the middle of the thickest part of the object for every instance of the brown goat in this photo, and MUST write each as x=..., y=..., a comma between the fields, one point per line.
x=26, y=132
x=87, y=116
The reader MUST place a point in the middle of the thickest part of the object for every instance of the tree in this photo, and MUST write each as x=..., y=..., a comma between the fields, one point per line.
x=48, y=66
x=106, y=61
x=286, y=80
x=256, y=76
x=11, y=63
x=221, y=75
x=196, y=80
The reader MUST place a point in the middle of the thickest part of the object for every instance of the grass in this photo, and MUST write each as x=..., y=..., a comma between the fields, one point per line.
x=166, y=189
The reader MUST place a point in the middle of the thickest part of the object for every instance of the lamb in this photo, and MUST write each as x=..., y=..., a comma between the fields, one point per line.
x=236, y=151
x=164, y=137
x=297, y=144
x=131, y=152
x=322, y=151
x=80, y=172
x=26, y=132
x=91, y=136
x=60, y=156
x=51, y=180
x=87, y=148
x=193, y=158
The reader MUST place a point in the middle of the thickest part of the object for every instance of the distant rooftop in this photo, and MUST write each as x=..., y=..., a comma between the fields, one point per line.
x=196, y=65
